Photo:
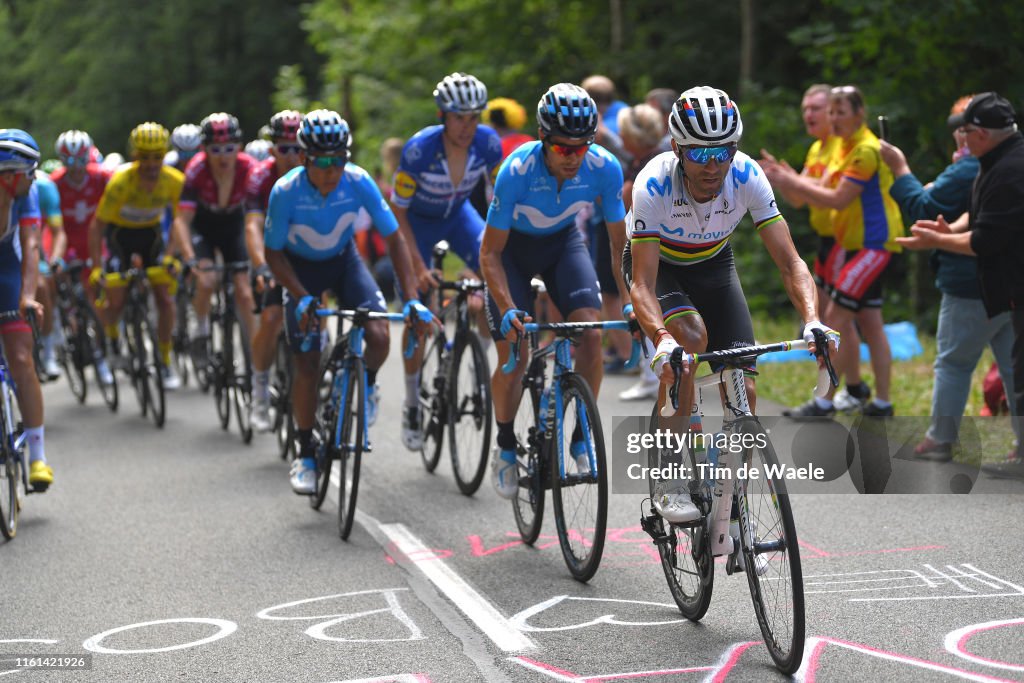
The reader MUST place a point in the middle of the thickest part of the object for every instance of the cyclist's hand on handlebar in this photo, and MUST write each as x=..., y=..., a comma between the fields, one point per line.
x=427, y=279
x=95, y=275
x=661, y=364
x=417, y=315
x=57, y=265
x=26, y=304
x=173, y=265
x=831, y=335
x=512, y=324
x=263, y=278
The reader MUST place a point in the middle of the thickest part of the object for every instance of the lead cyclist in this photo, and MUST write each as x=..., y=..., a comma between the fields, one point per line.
x=679, y=265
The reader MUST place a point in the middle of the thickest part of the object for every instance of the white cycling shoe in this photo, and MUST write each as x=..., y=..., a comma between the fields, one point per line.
x=673, y=502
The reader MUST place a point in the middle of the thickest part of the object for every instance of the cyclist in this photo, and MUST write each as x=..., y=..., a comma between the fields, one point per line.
x=19, y=276
x=212, y=207
x=258, y=149
x=531, y=228
x=129, y=216
x=687, y=204
x=53, y=243
x=310, y=249
x=285, y=154
x=439, y=168
x=185, y=142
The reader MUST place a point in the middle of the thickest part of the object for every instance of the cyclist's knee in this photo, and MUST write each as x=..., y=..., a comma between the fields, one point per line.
x=690, y=333
x=377, y=334
x=307, y=364
x=272, y=317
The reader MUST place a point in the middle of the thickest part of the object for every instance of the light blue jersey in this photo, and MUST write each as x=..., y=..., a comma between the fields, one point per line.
x=49, y=197
x=527, y=198
x=303, y=222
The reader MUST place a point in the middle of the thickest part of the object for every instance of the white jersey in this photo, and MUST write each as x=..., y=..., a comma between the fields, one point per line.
x=690, y=232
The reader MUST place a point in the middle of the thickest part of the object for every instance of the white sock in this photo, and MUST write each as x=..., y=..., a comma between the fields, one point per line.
x=823, y=403
x=412, y=390
x=203, y=326
x=34, y=437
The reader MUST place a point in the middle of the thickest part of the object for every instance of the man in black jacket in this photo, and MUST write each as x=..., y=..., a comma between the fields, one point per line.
x=993, y=229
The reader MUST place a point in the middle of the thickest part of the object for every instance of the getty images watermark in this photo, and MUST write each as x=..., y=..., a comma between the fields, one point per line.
x=848, y=454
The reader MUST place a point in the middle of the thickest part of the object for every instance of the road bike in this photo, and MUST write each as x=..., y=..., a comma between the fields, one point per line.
x=84, y=339
x=560, y=446
x=341, y=419
x=748, y=520
x=455, y=387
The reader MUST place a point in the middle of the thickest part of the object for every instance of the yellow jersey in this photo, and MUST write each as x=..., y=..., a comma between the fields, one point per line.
x=873, y=219
x=815, y=166
x=125, y=203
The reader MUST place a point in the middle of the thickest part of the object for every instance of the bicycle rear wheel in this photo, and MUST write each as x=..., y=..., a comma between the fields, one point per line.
x=770, y=552
x=72, y=356
x=350, y=451
x=325, y=428
x=10, y=476
x=93, y=342
x=580, y=497
x=153, y=375
x=280, y=401
x=685, y=552
x=433, y=402
x=469, y=416
x=528, y=505
x=180, y=342
x=220, y=371
x=240, y=382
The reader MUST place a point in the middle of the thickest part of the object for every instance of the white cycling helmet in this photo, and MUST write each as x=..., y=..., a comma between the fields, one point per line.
x=259, y=149
x=461, y=93
x=73, y=144
x=705, y=116
x=187, y=137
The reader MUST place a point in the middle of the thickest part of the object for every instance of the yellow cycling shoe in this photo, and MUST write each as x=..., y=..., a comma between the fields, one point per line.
x=40, y=475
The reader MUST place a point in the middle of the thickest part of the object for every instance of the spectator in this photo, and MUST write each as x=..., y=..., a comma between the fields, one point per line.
x=964, y=328
x=507, y=117
x=371, y=245
x=992, y=228
x=642, y=129
x=662, y=99
x=602, y=90
x=866, y=222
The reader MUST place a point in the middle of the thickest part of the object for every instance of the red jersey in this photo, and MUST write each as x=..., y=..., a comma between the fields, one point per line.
x=261, y=180
x=78, y=206
x=510, y=142
x=201, y=188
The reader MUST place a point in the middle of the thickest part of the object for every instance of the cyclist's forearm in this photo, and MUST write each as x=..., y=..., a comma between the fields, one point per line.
x=801, y=290
x=647, y=310
x=617, y=239
x=254, y=223
x=283, y=272
x=415, y=259
x=401, y=259
x=96, y=230
x=494, y=275
x=29, y=262
x=60, y=243
x=181, y=228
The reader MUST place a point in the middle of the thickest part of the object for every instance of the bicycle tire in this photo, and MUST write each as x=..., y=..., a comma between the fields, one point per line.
x=350, y=452
x=92, y=330
x=10, y=474
x=72, y=357
x=137, y=362
x=325, y=427
x=37, y=349
x=219, y=369
x=580, y=500
x=181, y=342
x=528, y=505
x=240, y=381
x=280, y=393
x=685, y=555
x=771, y=552
x=433, y=401
x=154, y=376
x=469, y=414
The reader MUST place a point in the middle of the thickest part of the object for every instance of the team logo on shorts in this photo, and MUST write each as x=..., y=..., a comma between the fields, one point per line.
x=405, y=186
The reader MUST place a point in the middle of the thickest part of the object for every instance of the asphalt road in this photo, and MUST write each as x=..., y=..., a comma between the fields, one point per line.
x=182, y=554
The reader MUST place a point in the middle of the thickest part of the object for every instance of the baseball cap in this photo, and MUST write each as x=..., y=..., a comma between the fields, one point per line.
x=986, y=110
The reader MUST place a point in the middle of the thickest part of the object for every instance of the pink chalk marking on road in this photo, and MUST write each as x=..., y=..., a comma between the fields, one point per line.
x=563, y=675
x=956, y=643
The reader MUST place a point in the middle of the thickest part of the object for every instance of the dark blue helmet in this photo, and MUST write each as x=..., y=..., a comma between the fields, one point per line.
x=324, y=132
x=567, y=110
x=18, y=150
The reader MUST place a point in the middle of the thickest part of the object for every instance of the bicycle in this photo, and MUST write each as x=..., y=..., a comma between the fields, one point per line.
x=341, y=423
x=552, y=418
x=280, y=387
x=757, y=509
x=455, y=388
x=181, y=342
x=84, y=339
x=14, y=484
x=145, y=365
x=229, y=371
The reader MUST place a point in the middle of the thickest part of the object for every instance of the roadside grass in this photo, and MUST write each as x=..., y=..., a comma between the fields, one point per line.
x=982, y=438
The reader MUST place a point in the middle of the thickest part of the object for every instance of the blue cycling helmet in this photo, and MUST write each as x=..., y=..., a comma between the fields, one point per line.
x=324, y=132
x=567, y=110
x=18, y=151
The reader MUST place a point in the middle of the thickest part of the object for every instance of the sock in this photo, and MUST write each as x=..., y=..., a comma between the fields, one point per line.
x=203, y=327
x=577, y=433
x=371, y=377
x=261, y=386
x=506, y=436
x=113, y=332
x=412, y=390
x=305, y=443
x=882, y=404
x=34, y=437
x=860, y=390
x=165, y=352
x=823, y=403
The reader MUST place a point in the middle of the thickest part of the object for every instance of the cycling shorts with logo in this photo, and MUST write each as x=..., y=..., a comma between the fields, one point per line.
x=857, y=282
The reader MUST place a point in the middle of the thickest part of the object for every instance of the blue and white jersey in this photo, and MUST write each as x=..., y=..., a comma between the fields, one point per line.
x=24, y=211
x=303, y=222
x=423, y=184
x=49, y=197
x=527, y=198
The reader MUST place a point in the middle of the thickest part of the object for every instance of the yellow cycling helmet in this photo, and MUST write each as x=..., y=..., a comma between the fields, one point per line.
x=505, y=112
x=149, y=137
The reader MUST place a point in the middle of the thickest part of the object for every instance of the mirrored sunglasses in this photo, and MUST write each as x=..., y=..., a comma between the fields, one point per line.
x=329, y=162
x=229, y=148
x=702, y=155
x=284, y=150
x=570, y=150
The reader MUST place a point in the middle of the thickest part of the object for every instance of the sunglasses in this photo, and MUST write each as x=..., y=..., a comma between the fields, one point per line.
x=222, y=149
x=570, y=150
x=702, y=155
x=329, y=162
x=288, y=149
x=75, y=161
x=150, y=156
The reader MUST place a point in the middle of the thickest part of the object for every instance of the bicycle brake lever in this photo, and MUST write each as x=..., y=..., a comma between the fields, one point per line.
x=821, y=350
x=634, y=356
x=513, y=359
x=675, y=362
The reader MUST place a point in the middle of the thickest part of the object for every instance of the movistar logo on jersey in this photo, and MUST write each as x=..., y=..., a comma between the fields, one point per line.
x=740, y=177
x=655, y=188
x=519, y=167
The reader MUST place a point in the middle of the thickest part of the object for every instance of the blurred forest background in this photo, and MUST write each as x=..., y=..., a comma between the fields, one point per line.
x=106, y=65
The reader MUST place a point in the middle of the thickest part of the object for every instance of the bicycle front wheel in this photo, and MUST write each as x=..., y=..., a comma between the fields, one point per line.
x=153, y=374
x=94, y=342
x=240, y=382
x=532, y=453
x=72, y=355
x=350, y=450
x=433, y=402
x=10, y=477
x=770, y=551
x=579, y=478
x=469, y=414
